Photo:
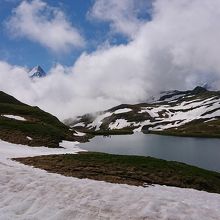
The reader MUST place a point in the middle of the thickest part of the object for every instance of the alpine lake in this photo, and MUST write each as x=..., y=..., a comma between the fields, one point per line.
x=200, y=152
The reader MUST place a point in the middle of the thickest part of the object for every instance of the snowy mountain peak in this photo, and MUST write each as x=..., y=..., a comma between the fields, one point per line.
x=37, y=71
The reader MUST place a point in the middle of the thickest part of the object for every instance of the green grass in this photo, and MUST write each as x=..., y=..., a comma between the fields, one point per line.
x=38, y=128
x=133, y=170
x=44, y=128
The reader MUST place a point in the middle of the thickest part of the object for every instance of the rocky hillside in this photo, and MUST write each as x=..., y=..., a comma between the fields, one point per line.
x=24, y=124
x=185, y=113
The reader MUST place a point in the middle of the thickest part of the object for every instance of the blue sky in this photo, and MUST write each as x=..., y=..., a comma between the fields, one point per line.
x=25, y=52
x=109, y=51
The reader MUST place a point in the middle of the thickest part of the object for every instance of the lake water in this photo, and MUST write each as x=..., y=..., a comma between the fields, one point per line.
x=201, y=152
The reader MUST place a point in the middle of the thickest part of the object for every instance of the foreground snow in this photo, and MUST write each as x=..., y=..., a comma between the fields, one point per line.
x=8, y=150
x=29, y=193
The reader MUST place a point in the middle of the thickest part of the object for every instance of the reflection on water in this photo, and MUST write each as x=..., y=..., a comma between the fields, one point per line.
x=201, y=152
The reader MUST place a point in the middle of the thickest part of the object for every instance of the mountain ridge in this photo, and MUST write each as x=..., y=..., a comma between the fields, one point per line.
x=29, y=125
x=185, y=113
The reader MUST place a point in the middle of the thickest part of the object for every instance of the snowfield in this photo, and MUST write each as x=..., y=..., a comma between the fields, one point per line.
x=28, y=193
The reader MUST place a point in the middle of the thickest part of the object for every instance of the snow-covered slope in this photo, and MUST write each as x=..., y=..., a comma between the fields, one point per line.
x=37, y=71
x=29, y=193
x=171, y=111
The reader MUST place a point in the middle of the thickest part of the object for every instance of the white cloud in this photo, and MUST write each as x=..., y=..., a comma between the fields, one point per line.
x=39, y=22
x=122, y=15
x=14, y=80
x=178, y=49
x=62, y=94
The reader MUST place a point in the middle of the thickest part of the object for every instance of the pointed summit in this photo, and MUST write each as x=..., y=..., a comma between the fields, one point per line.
x=199, y=89
x=37, y=71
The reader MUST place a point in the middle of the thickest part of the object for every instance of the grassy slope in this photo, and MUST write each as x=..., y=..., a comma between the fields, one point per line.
x=44, y=128
x=133, y=170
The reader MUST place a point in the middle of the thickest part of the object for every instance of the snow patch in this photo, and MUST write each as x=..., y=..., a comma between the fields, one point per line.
x=212, y=119
x=18, y=150
x=29, y=138
x=98, y=120
x=81, y=124
x=151, y=111
x=80, y=134
x=119, y=123
x=19, y=118
x=123, y=110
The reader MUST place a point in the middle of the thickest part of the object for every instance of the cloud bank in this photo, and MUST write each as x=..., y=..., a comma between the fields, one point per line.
x=177, y=49
x=41, y=23
x=123, y=16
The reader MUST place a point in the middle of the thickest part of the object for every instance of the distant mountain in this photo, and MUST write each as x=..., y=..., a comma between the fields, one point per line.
x=24, y=124
x=185, y=113
x=37, y=71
